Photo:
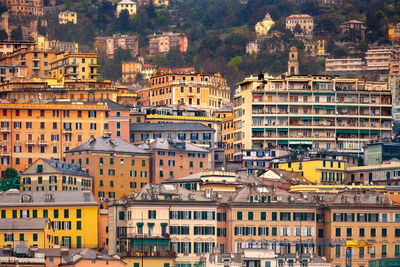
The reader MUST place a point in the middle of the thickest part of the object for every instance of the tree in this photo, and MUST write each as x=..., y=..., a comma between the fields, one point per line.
x=16, y=34
x=10, y=173
x=297, y=29
x=3, y=35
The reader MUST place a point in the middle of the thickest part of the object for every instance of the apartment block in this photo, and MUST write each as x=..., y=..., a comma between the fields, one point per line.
x=67, y=17
x=261, y=158
x=75, y=66
x=118, y=120
x=173, y=159
x=344, y=65
x=225, y=131
x=73, y=214
x=24, y=8
x=55, y=175
x=46, y=45
x=204, y=91
x=163, y=43
x=31, y=232
x=9, y=46
x=161, y=213
x=119, y=168
x=317, y=170
x=37, y=62
x=33, y=131
x=377, y=58
x=319, y=112
x=196, y=133
x=117, y=41
x=382, y=174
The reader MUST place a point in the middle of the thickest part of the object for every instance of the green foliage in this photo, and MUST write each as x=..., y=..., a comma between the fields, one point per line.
x=10, y=173
x=235, y=62
x=110, y=68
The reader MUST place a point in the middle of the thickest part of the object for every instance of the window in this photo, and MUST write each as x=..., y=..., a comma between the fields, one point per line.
x=250, y=216
x=239, y=216
x=373, y=232
x=361, y=232
x=337, y=232
x=349, y=232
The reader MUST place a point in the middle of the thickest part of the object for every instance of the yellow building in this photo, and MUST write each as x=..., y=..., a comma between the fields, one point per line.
x=262, y=27
x=160, y=3
x=54, y=175
x=394, y=32
x=31, y=232
x=75, y=66
x=73, y=214
x=67, y=16
x=320, y=171
x=43, y=44
x=225, y=130
x=127, y=5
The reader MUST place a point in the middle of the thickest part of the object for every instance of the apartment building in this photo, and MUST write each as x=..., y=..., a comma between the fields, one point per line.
x=73, y=214
x=173, y=159
x=377, y=58
x=382, y=174
x=67, y=17
x=261, y=158
x=204, y=91
x=344, y=65
x=25, y=8
x=118, y=120
x=9, y=46
x=353, y=26
x=394, y=32
x=117, y=41
x=127, y=5
x=225, y=130
x=262, y=27
x=46, y=45
x=305, y=22
x=159, y=213
x=317, y=170
x=8, y=72
x=195, y=133
x=163, y=43
x=31, y=232
x=55, y=175
x=37, y=62
x=74, y=66
x=33, y=131
x=318, y=112
x=119, y=168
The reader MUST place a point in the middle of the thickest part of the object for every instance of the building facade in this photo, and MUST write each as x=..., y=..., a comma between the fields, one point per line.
x=305, y=24
x=33, y=131
x=163, y=43
x=127, y=5
x=26, y=8
x=117, y=41
x=302, y=111
x=262, y=27
x=75, y=66
x=73, y=214
x=67, y=17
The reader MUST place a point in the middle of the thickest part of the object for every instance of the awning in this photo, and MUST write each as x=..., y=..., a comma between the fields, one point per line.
x=364, y=131
x=139, y=224
x=300, y=93
x=375, y=131
x=300, y=142
x=306, y=118
x=150, y=224
x=353, y=131
x=319, y=118
x=164, y=224
x=282, y=142
x=282, y=129
x=151, y=242
x=324, y=93
x=329, y=107
x=270, y=129
x=258, y=129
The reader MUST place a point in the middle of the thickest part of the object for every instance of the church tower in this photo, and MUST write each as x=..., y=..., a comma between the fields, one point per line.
x=293, y=63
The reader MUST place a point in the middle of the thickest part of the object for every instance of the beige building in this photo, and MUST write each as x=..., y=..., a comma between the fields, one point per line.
x=380, y=174
x=319, y=112
x=75, y=66
x=162, y=43
x=262, y=27
x=305, y=22
x=377, y=58
x=127, y=5
x=344, y=65
x=67, y=16
x=44, y=44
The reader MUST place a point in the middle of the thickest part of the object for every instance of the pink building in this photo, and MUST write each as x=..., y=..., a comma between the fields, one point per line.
x=143, y=97
x=118, y=41
x=118, y=120
x=162, y=43
x=261, y=158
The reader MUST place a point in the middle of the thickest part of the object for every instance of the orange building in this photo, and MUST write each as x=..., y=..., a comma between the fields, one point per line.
x=75, y=66
x=37, y=62
x=394, y=32
x=162, y=43
x=26, y=90
x=175, y=159
x=225, y=129
x=117, y=166
x=24, y=7
x=205, y=91
x=32, y=131
x=118, y=120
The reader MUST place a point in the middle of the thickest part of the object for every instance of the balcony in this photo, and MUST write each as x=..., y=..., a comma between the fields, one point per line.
x=133, y=253
x=5, y=154
x=5, y=129
x=107, y=132
x=30, y=142
x=67, y=131
x=43, y=142
x=36, y=59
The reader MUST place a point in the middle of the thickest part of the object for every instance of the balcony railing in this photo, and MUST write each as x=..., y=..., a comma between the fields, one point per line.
x=169, y=254
x=43, y=142
x=30, y=142
x=5, y=129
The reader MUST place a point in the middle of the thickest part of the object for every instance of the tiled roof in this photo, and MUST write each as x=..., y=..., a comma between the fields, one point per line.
x=63, y=167
x=168, y=144
x=107, y=144
x=166, y=127
x=23, y=224
x=14, y=197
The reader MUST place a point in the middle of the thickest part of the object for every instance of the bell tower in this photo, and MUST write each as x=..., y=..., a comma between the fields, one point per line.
x=293, y=63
